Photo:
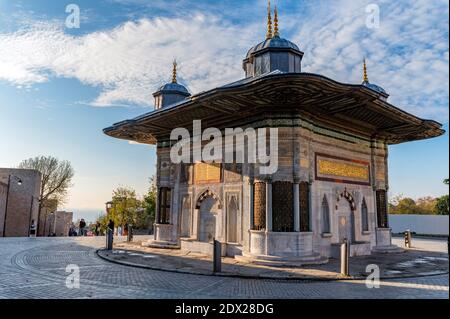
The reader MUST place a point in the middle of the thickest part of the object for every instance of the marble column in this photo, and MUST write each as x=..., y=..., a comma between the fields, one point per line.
x=251, y=203
x=296, y=205
x=268, y=205
x=157, y=213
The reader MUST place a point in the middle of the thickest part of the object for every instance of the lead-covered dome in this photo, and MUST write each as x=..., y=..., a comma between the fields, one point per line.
x=170, y=93
x=274, y=53
x=372, y=86
x=273, y=43
x=174, y=87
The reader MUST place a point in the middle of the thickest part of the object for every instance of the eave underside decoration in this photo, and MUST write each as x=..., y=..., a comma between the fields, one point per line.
x=353, y=109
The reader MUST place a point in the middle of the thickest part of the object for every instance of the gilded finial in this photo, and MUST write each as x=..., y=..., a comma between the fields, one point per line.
x=269, y=23
x=366, y=78
x=174, y=72
x=276, y=32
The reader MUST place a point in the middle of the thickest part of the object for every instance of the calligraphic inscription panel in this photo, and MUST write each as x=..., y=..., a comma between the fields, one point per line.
x=207, y=173
x=342, y=170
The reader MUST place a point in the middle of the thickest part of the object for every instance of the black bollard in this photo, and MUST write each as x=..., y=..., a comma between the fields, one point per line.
x=130, y=233
x=408, y=238
x=345, y=254
x=109, y=239
x=217, y=256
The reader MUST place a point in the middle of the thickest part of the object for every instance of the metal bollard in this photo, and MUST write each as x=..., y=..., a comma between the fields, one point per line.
x=345, y=254
x=109, y=239
x=217, y=256
x=130, y=233
x=407, y=238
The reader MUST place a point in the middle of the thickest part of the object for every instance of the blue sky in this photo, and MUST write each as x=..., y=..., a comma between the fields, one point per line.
x=60, y=87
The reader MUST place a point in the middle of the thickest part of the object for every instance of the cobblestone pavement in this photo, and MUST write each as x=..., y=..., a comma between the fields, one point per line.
x=415, y=262
x=36, y=268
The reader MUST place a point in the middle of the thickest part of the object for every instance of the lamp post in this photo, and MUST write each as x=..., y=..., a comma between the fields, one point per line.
x=19, y=182
x=108, y=208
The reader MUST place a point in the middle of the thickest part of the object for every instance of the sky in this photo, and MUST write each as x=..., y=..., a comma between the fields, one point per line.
x=60, y=86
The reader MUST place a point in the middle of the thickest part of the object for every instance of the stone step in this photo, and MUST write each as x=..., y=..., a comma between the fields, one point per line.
x=161, y=244
x=277, y=261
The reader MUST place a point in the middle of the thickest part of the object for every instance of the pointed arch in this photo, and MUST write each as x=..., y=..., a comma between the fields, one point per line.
x=206, y=194
x=349, y=198
x=364, y=216
x=325, y=209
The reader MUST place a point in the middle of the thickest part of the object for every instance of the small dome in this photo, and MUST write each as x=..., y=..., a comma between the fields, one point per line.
x=273, y=43
x=374, y=87
x=174, y=87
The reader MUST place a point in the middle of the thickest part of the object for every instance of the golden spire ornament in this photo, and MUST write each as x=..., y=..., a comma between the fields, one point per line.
x=366, y=78
x=276, y=32
x=269, y=24
x=174, y=72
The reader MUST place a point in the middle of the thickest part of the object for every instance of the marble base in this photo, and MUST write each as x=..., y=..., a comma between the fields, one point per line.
x=195, y=246
x=281, y=249
x=384, y=242
x=163, y=237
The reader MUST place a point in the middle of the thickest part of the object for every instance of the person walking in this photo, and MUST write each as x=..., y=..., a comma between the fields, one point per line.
x=32, y=229
x=97, y=228
x=82, y=226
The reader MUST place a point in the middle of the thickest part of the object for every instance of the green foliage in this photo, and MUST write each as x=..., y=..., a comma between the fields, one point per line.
x=442, y=205
x=150, y=203
x=423, y=206
x=127, y=208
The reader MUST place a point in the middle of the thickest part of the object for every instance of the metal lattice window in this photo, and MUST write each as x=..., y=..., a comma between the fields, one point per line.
x=259, y=206
x=165, y=196
x=282, y=207
x=382, y=209
x=304, y=206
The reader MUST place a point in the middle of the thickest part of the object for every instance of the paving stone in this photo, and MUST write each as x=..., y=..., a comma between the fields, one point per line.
x=37, y=269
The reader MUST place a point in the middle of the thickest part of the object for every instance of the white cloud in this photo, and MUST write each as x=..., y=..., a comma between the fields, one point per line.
x=130, y=61
x=408, y=55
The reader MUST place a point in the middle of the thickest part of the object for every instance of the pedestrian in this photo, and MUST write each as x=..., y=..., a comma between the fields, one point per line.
x=97, y=228
x=82, y=226
x=32, y=229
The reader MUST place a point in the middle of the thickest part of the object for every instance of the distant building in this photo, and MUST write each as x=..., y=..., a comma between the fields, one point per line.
x=19, y=201
x=48, y=207
x=58, y=223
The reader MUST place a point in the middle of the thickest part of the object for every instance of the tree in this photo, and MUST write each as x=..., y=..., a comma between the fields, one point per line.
x=150, y=204
x=442, y=204
x=125, y=206
x=56, y=178
x=426, y=205
x=404, y=206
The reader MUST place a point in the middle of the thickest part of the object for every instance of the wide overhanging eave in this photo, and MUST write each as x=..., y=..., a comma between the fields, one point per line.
x=353, y=105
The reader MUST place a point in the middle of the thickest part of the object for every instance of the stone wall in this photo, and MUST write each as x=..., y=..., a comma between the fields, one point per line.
x=48, y=207
x=3, y=191
x=23, y=200
x=58, y=223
